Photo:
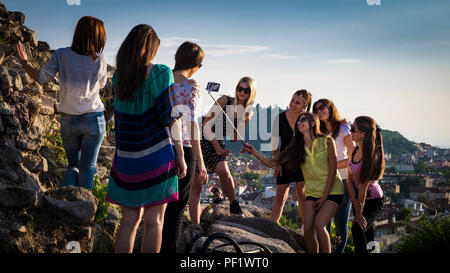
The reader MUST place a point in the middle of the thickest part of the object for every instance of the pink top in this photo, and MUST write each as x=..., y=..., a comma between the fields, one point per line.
x=374, y=190
x=186, y=97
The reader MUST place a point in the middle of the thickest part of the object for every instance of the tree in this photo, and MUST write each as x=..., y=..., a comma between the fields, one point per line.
x=404, y=214
x=410, y=181
x=432, y=236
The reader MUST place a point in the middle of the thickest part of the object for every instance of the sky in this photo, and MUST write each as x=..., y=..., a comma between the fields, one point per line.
x=388, y=59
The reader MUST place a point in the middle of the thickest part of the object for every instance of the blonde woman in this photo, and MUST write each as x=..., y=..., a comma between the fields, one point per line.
x=213, y=146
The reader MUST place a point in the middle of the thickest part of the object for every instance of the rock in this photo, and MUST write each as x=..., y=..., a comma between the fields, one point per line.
x=9, y=175
x=103, y=243
x=29, y=180
x=223, y=209
x=2, y=129
x=17, y=16
x=28, y=145
x=241, y=235
x=12, y=196
x=5, y=109
x=189, y=237
x=10, y=124
x=29, y=36
x=112, y=220
x=267, y=227
x=16, y=80
x=6, y=83
x=71, y=204
x=8, y=148
x=43, y=46
x=2, y=56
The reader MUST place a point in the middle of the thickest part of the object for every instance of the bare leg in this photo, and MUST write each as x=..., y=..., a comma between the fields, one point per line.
x=194, y=199
x=153, y=225
x=326, y=212
x=281, y=196
x=308, y=223
x=300, y=192
x=127, y=231
x=226, y=180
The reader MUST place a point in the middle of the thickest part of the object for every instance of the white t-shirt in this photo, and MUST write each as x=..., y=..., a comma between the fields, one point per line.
x=80, y=80
x=341, y=149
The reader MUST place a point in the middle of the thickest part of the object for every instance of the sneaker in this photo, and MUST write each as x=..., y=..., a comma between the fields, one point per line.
x=235, y=209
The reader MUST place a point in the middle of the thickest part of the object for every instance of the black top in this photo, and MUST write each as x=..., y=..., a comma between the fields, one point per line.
x=285, y=131
x=225, y=122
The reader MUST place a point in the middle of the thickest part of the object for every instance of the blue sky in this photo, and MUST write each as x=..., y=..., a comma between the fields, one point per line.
x=390, y=61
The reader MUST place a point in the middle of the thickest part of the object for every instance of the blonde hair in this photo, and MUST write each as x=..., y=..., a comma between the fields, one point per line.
x=251, y=99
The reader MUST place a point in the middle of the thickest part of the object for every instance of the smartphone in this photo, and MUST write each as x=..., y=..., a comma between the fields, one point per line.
x=213, y=87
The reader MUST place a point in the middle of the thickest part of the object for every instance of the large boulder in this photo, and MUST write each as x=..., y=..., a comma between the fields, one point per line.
x=267, y=227
x=245, y=234
x=13, y=196
x=71, y=204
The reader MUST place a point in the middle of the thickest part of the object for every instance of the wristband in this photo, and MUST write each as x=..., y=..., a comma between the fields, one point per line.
x=24, y=62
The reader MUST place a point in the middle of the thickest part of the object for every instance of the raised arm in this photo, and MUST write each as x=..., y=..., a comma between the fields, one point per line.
x=23, y=57
x=267, y=161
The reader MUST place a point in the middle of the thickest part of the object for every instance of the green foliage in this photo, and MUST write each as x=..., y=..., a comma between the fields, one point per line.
x=349, y=246
x=291, y=218
x=432, y=236
x=53, y=140
x=409, y=181
x=396, y=144
x=250, y=176
x=99, y=191
x=404, y=214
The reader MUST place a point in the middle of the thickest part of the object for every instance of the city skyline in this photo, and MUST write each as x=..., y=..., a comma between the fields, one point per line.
x=388, y=61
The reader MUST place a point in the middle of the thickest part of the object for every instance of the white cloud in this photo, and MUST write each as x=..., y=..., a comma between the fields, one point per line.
x=73, y=2
x=222, y=50
x=176, y=41
x=344, y=61
x=282, y=57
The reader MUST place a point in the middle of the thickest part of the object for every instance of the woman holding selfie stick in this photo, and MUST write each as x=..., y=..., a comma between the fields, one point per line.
x=285, y=122
x=213, y=146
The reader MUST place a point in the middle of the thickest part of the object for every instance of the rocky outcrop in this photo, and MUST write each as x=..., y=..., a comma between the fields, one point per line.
x=36, y=213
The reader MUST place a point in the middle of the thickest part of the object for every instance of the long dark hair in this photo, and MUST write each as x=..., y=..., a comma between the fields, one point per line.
x=294, y=154
x=334, y=118
x=189, y=55
x=136, y=52
x=373, y=164
x=306, y=96
x=89, y=37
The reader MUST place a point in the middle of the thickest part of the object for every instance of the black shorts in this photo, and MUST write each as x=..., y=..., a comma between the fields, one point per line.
x=333, y=197
x=289, y=176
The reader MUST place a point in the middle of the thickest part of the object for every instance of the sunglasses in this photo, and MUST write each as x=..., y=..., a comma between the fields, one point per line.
x=320, y=108
x=244, y=90
x=303, y=119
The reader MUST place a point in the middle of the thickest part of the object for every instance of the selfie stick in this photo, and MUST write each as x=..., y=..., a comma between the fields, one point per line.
x=229, y=120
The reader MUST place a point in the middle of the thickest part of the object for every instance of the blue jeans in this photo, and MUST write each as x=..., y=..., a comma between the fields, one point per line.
x=82, y=136
x=341, y=220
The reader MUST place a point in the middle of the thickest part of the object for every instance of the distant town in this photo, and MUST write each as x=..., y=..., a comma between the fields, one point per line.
x=414, y=185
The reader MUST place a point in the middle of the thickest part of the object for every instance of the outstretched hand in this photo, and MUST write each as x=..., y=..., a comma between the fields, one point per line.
x=21, y=52
x=247, y=148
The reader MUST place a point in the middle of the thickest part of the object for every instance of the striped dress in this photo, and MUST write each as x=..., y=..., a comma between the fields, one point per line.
x=143, y=172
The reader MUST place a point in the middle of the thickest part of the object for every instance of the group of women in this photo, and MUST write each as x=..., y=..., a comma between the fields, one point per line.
x=162, y=159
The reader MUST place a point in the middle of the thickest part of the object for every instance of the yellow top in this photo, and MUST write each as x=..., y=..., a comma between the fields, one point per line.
x=315, y=170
